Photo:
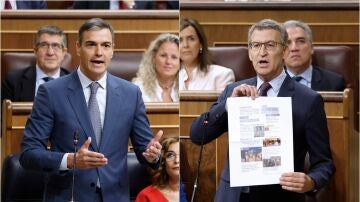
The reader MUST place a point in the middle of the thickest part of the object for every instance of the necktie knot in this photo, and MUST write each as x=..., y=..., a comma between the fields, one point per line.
x=264, y=88
x=297, y=78
x=94, y=86
x=46, y=79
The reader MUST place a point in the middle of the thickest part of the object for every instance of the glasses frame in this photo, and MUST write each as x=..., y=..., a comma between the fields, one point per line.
x=46, y=46
x=268, y=45
x=172, y=157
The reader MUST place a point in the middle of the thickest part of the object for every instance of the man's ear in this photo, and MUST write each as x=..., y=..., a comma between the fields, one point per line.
x=78, y=46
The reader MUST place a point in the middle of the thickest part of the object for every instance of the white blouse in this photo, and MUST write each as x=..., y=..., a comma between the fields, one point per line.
x=216, y=78
x=158, y=91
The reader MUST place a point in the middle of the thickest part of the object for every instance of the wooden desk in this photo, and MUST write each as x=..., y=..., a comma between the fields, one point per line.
x=344, y=143
x=164, y=116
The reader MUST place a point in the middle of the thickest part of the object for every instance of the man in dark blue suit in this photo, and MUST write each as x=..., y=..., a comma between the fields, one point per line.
x=105, y=111
x=267, y=44
x=50, y=47
x=298, y=60
x=21, y=4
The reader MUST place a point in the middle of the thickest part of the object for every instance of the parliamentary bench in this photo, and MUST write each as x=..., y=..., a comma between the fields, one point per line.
x=162, y=116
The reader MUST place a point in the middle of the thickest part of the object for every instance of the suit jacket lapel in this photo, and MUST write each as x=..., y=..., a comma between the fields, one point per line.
x=287, y=88
x=28, y=84
x=77, y=100
x=315, y=79
x=113, y=105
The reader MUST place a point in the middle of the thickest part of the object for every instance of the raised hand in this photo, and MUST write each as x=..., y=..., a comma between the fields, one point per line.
x=153, y=150
x=85, y=158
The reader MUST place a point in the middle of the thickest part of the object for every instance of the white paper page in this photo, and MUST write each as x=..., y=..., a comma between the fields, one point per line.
x=260, y=140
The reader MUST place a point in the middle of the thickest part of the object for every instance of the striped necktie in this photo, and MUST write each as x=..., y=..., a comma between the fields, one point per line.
x=264, y=89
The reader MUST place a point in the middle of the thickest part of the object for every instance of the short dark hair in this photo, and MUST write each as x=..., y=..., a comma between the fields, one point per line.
x=204, y=56
x=94, y=23
x=269, y=24
x=51, y=30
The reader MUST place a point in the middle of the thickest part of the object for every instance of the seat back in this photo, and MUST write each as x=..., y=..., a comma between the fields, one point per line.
x=19, y=184
x=20, y=60
x=338, y=59
x=235, y=58
x=138, y=175
x=125, y=64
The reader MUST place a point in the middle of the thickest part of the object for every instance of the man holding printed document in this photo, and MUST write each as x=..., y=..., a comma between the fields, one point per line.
x=267, y=44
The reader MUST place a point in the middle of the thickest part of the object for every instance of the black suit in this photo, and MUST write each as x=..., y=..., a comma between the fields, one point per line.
x=310, y=134
x=324, y=80
x=19, y=85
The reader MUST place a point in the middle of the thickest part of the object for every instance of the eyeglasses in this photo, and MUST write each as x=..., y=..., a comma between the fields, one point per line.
x=269, y=46
x=171, y=156
x=46, y=46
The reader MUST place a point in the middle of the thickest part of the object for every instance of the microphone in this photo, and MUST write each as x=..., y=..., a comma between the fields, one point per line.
x=76, y=140
x=205, y=122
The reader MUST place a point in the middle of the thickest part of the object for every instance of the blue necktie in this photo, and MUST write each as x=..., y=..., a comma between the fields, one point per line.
x=94, y=112
x=46, y=79
x=297, y=78
x=264, y=89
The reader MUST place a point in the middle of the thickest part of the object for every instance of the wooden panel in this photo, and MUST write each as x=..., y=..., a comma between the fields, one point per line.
x=133, y=29
x=338, y=106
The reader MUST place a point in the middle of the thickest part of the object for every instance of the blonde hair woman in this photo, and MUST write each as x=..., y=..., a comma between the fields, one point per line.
x=158, y=72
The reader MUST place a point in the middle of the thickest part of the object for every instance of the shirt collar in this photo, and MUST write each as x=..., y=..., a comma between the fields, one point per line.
x=275, y=83
x=40, y=74
x=306, y=75
x=85, y=81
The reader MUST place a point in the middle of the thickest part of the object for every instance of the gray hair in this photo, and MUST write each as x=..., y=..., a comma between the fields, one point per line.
x=302, y=25
x=51, y=30
x=94, y=23
x=269, y=24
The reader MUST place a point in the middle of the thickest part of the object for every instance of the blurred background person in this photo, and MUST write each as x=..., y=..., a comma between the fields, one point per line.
x=298, y=58
x=112, y=4
x=165, y=187
x=50, y=48
x=126, y=4
x=158, y=72
x=23, y=4
x=197, y=72
x=157, y=4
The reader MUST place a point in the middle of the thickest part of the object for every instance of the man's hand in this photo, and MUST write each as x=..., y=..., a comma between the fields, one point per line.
x=86, y=159
x=245, y=90
x=297, y=182
x=153, y=150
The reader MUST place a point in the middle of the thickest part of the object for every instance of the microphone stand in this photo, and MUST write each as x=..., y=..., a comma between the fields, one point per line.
x=76, y=139
x=200, y=156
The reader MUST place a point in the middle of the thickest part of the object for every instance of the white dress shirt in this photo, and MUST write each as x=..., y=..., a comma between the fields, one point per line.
x=40, y=75
x=306, y=76
x=217, y=78
x=158, y=92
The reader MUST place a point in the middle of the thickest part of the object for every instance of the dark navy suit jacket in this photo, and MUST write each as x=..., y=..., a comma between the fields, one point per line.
x=324, y=80
x=37, y=4
x=19, y=85
x=310, y=135
x=59, y=110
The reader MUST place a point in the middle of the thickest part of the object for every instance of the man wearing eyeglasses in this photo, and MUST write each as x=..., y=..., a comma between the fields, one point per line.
x=298, y=60
x=49, y=48
x=267, y=45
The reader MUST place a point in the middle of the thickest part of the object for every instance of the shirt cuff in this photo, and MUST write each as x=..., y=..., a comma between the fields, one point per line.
x=63, y=165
